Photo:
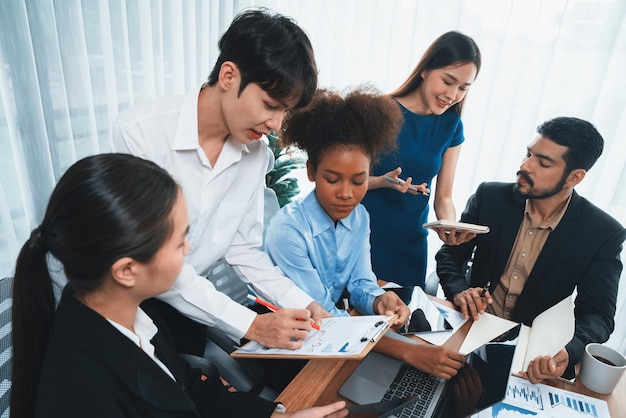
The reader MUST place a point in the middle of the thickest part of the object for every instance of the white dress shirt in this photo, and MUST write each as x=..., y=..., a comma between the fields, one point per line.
x=225, y=205
x=145, y=330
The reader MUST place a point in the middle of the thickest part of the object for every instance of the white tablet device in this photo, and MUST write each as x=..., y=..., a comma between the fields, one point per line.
x=459, y=226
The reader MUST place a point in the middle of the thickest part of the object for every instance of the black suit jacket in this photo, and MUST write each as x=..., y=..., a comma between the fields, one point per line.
x=583, y=252
x=92, y=370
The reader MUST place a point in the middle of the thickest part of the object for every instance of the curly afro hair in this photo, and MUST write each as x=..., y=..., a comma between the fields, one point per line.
x=362, y=117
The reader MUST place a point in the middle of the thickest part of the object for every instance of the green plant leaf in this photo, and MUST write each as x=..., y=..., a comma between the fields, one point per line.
x=284, y=163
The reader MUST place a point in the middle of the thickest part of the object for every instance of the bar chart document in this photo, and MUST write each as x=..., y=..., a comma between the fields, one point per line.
x=543, y=401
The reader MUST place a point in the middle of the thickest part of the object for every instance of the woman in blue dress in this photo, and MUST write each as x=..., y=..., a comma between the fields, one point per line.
x=429, y=144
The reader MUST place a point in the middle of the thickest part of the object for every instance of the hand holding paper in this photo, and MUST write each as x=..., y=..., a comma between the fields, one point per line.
x=550, y=332
x=546, y=367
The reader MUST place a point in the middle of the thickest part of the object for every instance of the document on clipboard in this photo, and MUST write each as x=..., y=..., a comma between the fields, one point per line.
x=348, y=337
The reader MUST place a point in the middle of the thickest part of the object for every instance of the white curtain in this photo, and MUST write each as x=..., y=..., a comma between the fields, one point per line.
x=67, y=68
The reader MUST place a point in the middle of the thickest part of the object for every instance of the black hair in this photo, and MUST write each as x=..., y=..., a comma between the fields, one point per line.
x=272, y=51
x=583, y=141
x=362, y=117
x=448, y=49
x=103, y=208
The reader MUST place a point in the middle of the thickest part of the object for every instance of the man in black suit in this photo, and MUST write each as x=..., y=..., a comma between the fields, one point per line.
x=545, y=242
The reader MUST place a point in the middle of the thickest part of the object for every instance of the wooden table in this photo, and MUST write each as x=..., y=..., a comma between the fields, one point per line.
x=319, y=381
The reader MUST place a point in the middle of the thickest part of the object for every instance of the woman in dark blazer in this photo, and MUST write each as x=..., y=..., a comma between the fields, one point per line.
x=118, y=225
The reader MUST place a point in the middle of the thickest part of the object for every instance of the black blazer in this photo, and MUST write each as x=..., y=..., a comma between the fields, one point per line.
x=92, y=370
x=583, y=252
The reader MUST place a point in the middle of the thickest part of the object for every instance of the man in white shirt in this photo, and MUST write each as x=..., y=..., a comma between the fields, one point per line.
x=210, y=141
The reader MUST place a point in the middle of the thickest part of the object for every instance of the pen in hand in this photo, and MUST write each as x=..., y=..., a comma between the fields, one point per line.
x=398, y=182
x=485, y=288
x=274, y=308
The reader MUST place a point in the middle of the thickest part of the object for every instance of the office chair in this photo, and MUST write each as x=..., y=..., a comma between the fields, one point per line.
x=432, y=285
x=243, y=374
x=6, y=351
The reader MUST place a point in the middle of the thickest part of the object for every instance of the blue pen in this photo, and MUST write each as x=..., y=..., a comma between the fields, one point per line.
x=344, y=348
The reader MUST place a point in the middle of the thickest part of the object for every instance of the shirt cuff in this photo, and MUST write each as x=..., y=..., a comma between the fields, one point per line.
x=280, y=408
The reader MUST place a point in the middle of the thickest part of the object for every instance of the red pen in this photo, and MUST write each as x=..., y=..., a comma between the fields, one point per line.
x=274, y=308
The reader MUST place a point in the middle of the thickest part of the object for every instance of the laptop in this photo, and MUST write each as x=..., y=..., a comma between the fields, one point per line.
x=483, y=382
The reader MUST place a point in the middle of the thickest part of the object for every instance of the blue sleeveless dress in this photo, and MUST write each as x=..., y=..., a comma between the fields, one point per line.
x=399, y=243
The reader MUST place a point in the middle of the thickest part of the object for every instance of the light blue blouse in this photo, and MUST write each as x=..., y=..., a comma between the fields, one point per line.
x=322, y=259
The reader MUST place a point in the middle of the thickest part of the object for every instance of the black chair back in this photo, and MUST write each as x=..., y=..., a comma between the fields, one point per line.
x=5, y=344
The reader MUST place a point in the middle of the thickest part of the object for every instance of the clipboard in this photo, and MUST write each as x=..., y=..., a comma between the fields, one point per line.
x=345, y=337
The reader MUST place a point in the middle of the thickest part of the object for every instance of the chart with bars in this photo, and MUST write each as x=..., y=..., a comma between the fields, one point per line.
x=543, y=401
x=573, y=404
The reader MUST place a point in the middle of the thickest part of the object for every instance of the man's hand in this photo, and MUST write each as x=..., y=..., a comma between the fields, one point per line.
x=471, y=303
x=389, y=303
x=452, y=236
x=281, y=329
x=546, y=367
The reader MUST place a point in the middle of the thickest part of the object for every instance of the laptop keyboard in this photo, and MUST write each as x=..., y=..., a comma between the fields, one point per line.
x=412, y=382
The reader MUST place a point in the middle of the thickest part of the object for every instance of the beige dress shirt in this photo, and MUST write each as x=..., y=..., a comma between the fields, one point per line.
x=528, y=245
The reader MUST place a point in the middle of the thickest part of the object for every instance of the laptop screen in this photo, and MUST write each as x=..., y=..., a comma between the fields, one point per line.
x=487, y=372
x=481, y=383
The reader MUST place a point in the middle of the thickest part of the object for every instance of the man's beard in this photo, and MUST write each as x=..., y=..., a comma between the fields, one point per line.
x=539, y=194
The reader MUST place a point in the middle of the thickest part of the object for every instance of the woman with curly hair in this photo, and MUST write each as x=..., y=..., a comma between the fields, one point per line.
x=322, y=241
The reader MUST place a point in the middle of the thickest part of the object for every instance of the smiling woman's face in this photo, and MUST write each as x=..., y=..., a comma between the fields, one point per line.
x=444, y=87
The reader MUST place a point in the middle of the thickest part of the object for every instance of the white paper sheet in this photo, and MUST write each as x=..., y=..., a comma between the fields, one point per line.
x=454, y=318
x=551, y=331
x=484, y=330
